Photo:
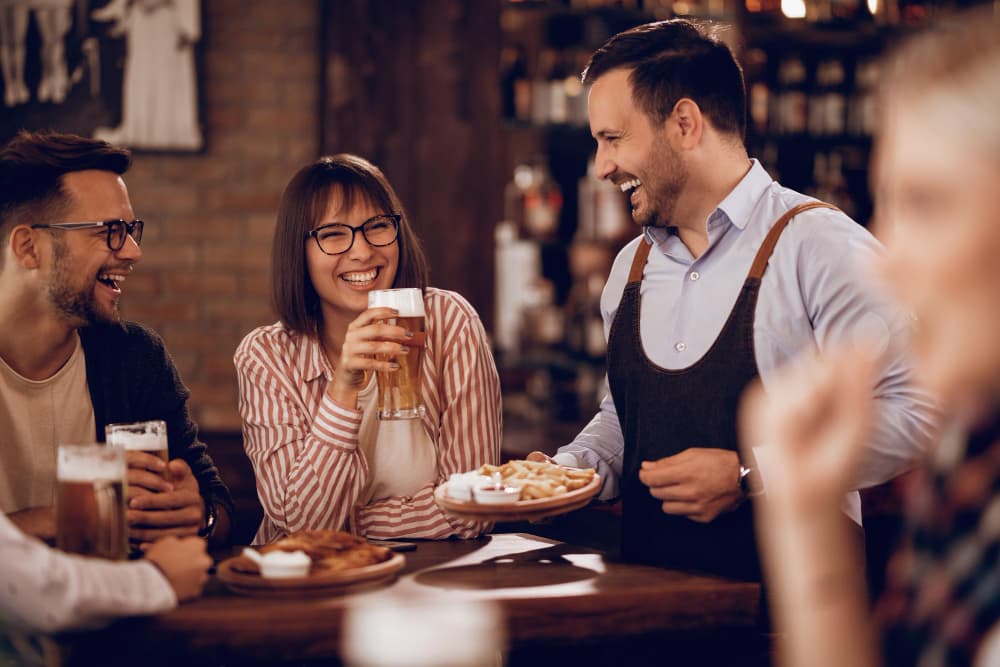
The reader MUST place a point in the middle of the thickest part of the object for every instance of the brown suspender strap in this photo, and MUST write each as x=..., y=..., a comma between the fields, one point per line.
x=763, y=255
x=767, y=247
x=639, y=261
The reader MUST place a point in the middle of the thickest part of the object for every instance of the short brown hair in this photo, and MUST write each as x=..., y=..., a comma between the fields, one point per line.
x=305, y=199
x=32, y=165
x=674, y=59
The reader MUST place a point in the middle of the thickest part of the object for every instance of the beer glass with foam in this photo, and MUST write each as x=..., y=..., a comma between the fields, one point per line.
x=90, y=501
x=399, y=390
x=148, y=436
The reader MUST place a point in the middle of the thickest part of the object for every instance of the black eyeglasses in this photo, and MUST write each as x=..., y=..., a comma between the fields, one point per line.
x=118, y=230
x=337, y=238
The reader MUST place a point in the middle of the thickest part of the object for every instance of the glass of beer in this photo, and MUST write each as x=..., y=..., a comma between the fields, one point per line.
x=149, y=437
x=90, y=501
x=399, y=390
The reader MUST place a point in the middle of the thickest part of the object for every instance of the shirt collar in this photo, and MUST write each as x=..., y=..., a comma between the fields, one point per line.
x=737, y=207
x=739, y=204
x=312, y=361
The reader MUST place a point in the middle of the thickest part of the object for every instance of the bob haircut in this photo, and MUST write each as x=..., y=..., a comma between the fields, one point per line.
x=305, y=199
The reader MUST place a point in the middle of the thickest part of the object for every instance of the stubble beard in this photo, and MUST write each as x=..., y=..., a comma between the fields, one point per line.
x=76, y=305
x=666, y=177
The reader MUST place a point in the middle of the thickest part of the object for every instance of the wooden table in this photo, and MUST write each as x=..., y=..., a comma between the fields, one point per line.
x=552, y=594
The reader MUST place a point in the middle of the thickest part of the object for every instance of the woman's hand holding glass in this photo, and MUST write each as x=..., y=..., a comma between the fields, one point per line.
x=367, y=336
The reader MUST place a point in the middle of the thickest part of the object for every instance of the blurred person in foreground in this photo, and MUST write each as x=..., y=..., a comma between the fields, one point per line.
x=68, y=364
x=307, y=382
x=732, y=276
x=43, y=590
x=936, y=172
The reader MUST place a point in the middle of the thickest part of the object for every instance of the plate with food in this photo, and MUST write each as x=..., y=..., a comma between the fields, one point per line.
x=310, y=563
x=518, y=490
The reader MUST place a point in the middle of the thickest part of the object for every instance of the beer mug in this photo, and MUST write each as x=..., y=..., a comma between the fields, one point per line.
x=413, y=628
x=90, y=501
x=399, y=390
x=149, y=437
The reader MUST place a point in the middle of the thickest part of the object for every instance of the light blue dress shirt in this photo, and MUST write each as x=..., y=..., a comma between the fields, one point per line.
x=818, y=291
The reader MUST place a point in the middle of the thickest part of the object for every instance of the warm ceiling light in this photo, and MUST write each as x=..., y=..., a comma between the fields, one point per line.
x=793, y=9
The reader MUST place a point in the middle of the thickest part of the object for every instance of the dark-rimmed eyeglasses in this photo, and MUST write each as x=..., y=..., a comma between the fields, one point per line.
x=337, y=238
x=117, y=230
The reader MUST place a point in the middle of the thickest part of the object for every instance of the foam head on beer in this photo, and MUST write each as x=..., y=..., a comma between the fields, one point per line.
x=148, y=436
x=88, y=463
x=408, y=301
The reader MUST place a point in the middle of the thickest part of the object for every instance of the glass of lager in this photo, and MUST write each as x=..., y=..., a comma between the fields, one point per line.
x=149, y=437
x=399, y=390
x=90, y=501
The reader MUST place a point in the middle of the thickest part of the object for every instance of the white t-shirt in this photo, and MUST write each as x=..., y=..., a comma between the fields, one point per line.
x=36, y=416
x=401, y=457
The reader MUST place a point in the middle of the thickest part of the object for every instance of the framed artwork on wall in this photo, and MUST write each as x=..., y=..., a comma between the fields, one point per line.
x=120, y=70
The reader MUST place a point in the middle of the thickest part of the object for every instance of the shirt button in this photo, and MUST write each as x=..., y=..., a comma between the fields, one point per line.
x=695, y=275
x=680, y=347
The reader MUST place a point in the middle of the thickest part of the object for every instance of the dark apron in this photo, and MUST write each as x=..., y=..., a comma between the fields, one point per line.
x=663, y=412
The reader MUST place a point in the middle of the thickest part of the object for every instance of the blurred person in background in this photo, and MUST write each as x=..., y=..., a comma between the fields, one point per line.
x=732, y=276
x=68, y=364
x=936, y=170
x=307, y=382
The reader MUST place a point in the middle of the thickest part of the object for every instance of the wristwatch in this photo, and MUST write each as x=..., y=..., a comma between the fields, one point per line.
x=210, y=517
x=750, y=483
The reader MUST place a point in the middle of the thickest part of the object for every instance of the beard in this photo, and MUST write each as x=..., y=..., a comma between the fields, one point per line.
x=74, y=304
x=664, y=179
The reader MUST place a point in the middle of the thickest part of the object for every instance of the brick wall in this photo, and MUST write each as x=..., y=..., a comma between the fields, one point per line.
x=203, y=281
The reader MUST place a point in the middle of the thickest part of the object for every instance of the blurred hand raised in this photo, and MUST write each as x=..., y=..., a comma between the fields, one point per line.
x=813, y=420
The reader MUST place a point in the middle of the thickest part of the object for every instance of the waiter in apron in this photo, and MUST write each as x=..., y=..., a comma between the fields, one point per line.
x=732, y=276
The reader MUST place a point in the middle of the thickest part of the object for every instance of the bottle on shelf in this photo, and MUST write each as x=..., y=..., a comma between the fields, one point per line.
x=792, y=101
x=862, y=114
x=518, y=264
x=542, y=203
x=602, y=210
x=827, y=104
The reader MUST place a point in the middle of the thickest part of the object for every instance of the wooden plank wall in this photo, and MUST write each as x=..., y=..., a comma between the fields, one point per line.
x=413, y=86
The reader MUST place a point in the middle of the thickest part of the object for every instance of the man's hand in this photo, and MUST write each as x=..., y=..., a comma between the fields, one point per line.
x=146, y=474
x=38, y=522
x=699, y=483
x=177, y=510
x=183, y=562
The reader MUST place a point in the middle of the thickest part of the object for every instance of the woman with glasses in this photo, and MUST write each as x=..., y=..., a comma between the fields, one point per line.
x=936, y=172
x=307, y=383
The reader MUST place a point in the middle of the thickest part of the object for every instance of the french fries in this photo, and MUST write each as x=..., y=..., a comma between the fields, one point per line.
x=540, y=479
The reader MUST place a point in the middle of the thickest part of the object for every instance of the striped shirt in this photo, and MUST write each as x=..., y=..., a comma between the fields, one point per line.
x=305, y=447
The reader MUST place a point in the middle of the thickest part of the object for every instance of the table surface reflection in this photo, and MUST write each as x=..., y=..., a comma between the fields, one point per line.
x=547, y=590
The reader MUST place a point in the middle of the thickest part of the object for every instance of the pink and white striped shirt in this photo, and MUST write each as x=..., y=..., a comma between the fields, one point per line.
x=304, y=446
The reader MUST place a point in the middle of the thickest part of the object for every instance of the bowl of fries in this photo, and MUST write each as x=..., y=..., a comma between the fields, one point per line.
x=545, y=489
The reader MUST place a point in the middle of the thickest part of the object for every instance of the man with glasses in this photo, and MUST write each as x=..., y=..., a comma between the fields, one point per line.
x=68, y=364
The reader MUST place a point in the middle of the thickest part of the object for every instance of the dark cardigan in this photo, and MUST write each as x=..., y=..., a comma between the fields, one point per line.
x=132, y=378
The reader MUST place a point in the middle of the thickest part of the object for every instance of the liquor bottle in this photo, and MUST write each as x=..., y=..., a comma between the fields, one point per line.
x=793, y=105
x=542, y=202
x=518, y=264
x=603, y=210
